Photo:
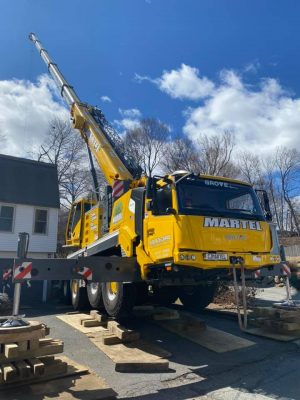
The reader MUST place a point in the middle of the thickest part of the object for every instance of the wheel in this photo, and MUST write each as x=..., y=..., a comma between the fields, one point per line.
x=78, y=295
x=196, y=298
x=118, y=298
x=94, y=294
x=165, y=296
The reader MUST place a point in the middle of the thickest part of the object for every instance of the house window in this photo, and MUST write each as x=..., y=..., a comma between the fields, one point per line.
x=40, y=221
x=6, y=218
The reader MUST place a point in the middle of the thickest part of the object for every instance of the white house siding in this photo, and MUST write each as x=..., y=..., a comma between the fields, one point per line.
x=24, y=222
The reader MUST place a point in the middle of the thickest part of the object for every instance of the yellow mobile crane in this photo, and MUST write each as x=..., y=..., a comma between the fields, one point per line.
x=163, y=237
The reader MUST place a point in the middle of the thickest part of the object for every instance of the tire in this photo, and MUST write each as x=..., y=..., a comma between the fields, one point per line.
x=94, y=293
x=165, y=296
x=196, y=298
x=118, y=298
x=78, y=296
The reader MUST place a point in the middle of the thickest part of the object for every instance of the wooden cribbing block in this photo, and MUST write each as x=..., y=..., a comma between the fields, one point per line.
x=46, y=347
x=9, y=372
x=264, y=312
x=37, y=366
x=11, y=350
x=111, y=339
x=136, y=366
x=282, y=326
x=121, y=332
x=97, y=316
x=88, y=323
x=53, y=347
x=23, y=346
x=163, y=313
x=24, y=369
x=34, y=344
x=55, y=367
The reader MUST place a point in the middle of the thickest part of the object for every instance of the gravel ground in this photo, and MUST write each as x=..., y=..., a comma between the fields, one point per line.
x=269, y=369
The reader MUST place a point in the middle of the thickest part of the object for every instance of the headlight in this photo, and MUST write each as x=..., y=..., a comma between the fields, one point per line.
x=215, y=256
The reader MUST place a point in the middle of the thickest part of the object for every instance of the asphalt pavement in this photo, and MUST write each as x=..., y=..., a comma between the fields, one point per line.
x=269, y=369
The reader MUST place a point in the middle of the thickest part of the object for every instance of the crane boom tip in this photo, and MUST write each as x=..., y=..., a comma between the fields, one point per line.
x=31, y=36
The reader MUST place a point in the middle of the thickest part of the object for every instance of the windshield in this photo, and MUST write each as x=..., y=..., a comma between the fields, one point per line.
x=198, y=196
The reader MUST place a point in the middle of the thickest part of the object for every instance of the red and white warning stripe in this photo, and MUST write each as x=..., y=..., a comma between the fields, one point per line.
x=86, y=273
x=286, y=270
x=257, y=273
x=7, y=274
x=23, y=271
x=117, y=188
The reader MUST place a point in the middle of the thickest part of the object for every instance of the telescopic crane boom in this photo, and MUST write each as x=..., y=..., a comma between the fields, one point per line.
x=100, y=137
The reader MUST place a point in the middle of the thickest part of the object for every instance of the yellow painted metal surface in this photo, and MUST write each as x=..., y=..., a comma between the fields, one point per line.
x=106, y=157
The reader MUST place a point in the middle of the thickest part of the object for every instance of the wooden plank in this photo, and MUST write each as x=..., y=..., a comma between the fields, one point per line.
x=98, y=317
x=134, y=355
x=83, y=387
x=11, y=350
x=22, y=336
x=9, y=372
x=46, y=348
x=23, y=346
x=152, y=366
x=88, y=323
x=111, y=339
x=24, y=369
x=281, y=325
x=210, y=338
x=34, y=344
x=164, y=313
x=122, y=333
x=37, y=366
x=74, y=321
x=272, y=335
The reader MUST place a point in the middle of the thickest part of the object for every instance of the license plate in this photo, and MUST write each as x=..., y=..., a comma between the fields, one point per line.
x=215, y=257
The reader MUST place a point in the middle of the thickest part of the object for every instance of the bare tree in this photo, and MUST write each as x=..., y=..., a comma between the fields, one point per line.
x=65, y=148
x=181, y=155
x=251, y=168
x=147, y=143
x=288, y=165
x=216, y=153
x=272, y=186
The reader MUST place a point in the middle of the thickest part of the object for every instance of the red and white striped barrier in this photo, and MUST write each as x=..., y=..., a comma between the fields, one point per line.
x=286, y=270
x=7, y=274
x=117, y=188
x=86, y=273
x=23, y=271
x=257, y=274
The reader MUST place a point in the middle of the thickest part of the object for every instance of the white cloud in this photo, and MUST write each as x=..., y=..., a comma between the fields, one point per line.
x=26, y=108
x=131, y=119
x=130, y=112
x=183, y=83
x=260, y=118
x=105, y=99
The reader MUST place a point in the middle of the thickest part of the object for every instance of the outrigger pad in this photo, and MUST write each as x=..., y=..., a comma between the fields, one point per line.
x=13, y=322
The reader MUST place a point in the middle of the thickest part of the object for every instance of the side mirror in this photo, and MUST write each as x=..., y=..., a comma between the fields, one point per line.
x=265, y=203
x=171, y=210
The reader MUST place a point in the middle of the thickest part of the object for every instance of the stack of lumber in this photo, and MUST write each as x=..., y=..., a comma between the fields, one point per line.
x=26, y=354
x=125, y=347
x=276, y=322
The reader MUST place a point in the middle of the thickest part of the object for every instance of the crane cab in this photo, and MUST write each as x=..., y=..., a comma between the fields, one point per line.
x=84, y=223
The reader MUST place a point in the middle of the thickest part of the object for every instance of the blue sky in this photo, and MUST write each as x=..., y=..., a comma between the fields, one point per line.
x=239, y=53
